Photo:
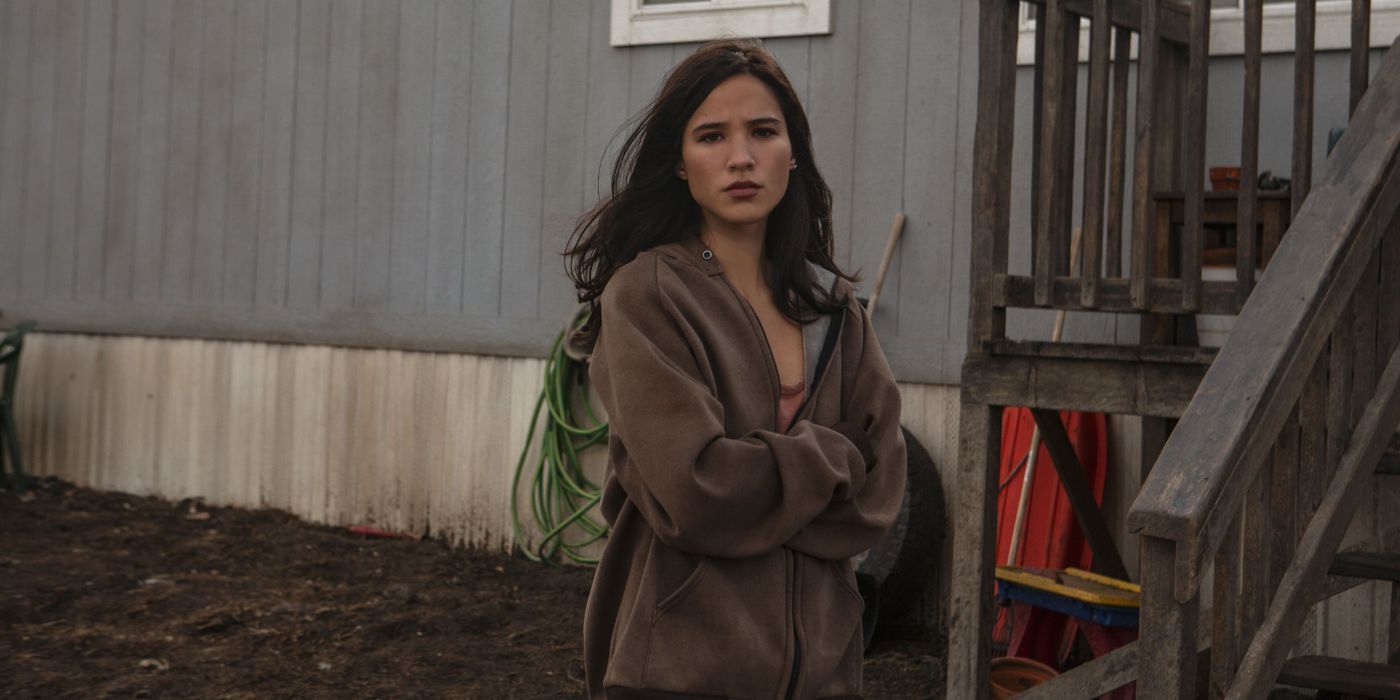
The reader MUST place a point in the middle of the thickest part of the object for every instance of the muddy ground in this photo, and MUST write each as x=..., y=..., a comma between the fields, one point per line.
x=110, y=595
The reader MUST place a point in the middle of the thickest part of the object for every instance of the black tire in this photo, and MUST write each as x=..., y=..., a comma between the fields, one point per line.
x=898, y=567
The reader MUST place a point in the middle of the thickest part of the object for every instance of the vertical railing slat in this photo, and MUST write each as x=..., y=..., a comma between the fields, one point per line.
x=1095, y=148
x=1245, y=217
x=1053, y=16
x=1141, y=287
x=1065, y=158
x=1037, y=117
x=1360, y=50
x=1225, y=612
x=1303, y=73
x=1122, y=45
x=1195, y=155
x=1167, y=641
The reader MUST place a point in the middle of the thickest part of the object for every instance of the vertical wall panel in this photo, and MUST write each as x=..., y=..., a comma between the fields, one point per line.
x=607, y=107
x=486, y=161
x=337, y=257
x=182, y=169
x=152, y=150
x=275, y=159
x=878, y=163
x=67, y=116
x=568, y=92
x=14, y=32
x=309, y=154
x=793, y=53
x=97, y=109
x=929, y=186
x=374, y=199
x=123, y=151
x=452, y=70
x=38, y=160
x=833, y=104
x=413, y=157
x=245, y=145
x=215, y=106
x=525, y=166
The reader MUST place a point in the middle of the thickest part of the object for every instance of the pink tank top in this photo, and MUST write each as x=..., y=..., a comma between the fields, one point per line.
x=789, y=401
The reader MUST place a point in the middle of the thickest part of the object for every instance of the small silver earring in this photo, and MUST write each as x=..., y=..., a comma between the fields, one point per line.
x=792, y=166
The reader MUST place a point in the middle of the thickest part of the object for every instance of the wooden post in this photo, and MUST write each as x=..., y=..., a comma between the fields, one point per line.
x=1303, y=71
x=1195, y=155
x=1122, y=42
x=974, y=548
x=1051, y=164
x=1095, y=146
x=1249, y=153
x=1360, y=50
x=1143, y=170
x=1167, y=636
x=1226, y=613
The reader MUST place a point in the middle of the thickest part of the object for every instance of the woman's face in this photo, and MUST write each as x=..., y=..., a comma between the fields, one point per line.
x=735, y=153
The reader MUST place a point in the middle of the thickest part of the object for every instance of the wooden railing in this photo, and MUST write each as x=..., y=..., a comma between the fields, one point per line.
x=1262, y=475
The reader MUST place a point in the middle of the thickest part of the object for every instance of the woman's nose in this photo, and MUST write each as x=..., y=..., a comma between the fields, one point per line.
x=742, y=156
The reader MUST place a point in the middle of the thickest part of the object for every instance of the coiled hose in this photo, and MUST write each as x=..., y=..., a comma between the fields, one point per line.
x=561, y=495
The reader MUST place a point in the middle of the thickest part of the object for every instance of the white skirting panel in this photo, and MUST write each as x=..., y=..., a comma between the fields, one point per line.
x=408, y=441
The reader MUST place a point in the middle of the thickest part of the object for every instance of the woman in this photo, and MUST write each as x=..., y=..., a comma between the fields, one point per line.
x=755, y=442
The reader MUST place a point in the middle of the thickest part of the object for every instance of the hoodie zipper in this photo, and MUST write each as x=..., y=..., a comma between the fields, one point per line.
x=774, y=382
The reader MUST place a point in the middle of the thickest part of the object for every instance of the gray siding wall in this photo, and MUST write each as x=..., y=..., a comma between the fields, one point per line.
x=404, y=173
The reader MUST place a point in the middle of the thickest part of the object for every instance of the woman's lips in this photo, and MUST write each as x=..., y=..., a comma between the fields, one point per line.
x=742, y=192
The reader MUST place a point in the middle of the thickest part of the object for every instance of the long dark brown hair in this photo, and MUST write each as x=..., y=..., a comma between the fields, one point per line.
x=649, y=205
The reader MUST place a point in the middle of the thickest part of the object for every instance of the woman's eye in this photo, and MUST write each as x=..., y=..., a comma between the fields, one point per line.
x=765, y=132
x=710, y=137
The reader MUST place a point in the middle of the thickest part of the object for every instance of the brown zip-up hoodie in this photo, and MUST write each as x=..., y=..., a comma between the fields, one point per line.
x=727, y=570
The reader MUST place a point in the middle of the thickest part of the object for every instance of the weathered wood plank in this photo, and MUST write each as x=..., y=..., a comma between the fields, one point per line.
x=1111, y=671
x=1173, y=18
x=1095, y=151
x=1304, y=577
x=1283, y=502
x=1107, y=560
x=1115, y=294
x=1334, y=675
x=974, y=532
x=1360, y=51
x=1226, y=613
x=1304, y=67
x=991, y=192
x=1245, y=238
x=1370, y=565
x=1051, y=168
x=1167, y=354
x=1122, y=44
x=1143, y=389
x=1194, y=144
x=1067, y=153
x=1254, y=599
x=1143, y=154
x=1257, y=378
x=1167, y=641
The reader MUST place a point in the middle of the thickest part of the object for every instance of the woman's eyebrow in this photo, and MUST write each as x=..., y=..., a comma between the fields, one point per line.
x=752, y=122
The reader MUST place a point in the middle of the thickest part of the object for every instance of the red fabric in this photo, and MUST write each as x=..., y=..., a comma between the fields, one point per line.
x=1051, y=538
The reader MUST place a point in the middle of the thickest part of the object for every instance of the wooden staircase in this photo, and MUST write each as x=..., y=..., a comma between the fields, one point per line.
x=1261, y=452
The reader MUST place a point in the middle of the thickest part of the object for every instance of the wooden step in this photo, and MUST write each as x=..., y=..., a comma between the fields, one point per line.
x=1359, y=678
x=1372, y=565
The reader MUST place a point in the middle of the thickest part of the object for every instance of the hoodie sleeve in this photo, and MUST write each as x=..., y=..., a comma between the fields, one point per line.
x=701, y=491
x=853, y=524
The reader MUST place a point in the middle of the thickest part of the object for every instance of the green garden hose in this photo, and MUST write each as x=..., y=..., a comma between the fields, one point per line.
x=561, y=495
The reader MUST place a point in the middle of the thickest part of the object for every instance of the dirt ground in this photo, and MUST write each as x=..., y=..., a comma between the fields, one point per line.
x=111, y=595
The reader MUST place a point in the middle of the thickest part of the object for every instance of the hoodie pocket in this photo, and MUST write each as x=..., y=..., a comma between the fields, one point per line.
x=832, y=643
x=723, y=631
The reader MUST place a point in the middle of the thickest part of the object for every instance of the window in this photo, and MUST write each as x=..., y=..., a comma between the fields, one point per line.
x=636, y=22
x=1333, y=29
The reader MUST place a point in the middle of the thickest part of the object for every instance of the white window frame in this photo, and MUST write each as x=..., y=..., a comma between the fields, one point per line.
x=1332, y=31
x=635, y=23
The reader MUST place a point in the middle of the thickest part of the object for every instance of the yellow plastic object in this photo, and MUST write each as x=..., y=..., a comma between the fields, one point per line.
x=1077, y=584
